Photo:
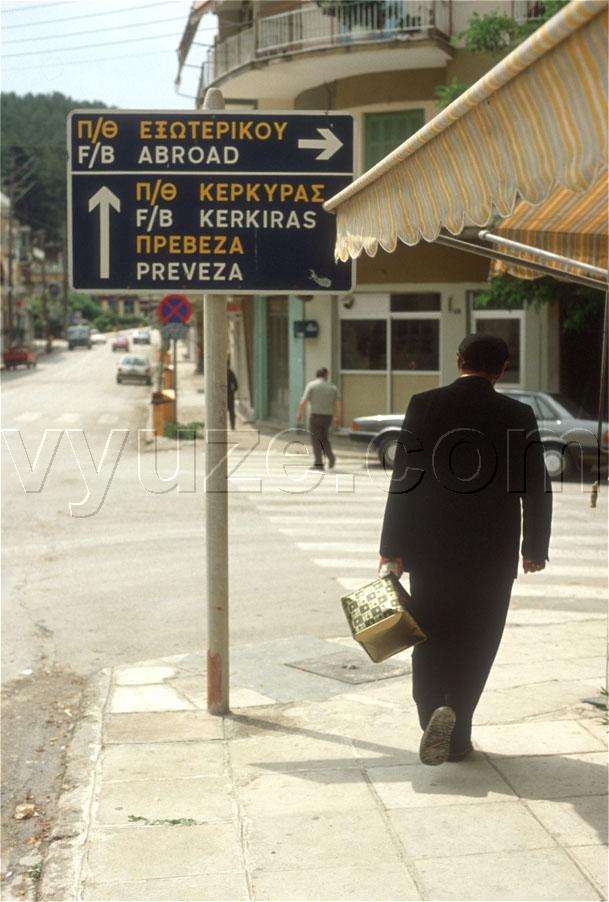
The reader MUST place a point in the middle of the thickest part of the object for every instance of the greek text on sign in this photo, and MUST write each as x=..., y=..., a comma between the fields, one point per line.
x=219, y=202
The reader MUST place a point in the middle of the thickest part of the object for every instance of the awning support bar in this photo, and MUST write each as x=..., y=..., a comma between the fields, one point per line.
x=491, y=254
x=485, y=235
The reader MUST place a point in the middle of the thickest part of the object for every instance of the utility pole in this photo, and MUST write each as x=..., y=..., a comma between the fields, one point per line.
x=215, y=324
x=11, y=250
x=65, y=282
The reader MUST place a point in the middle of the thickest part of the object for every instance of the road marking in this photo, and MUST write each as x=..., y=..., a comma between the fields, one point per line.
x=27, y=417
x=550, y=590
x=349, y=547
x=314, y=522
x=68, y=418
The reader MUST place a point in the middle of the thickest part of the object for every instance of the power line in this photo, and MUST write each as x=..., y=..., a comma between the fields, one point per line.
x=78, y=34
x=20, y=8
x=109, y=12
x=152, y=37
x=88, y=61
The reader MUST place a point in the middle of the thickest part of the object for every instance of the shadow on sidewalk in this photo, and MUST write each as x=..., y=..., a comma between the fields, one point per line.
x=552, y=778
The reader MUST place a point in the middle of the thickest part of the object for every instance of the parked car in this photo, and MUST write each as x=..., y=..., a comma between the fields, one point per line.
x=141, y=337
x=120, y=343
x=19, y=355
x=98, y=338
x=133, y=367
x=562, y=429
x=78, y=337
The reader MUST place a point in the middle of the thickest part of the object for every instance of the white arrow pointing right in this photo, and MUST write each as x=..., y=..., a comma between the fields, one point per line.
x=328, y=144
x=104, y=199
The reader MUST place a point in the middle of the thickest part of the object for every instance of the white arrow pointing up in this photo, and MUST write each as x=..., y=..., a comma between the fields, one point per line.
x=328, y=144
x=104, y=199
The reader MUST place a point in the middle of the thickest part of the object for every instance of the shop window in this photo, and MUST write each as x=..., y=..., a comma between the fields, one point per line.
x=385, y=131
x=425, y=301
x=415, y=344
x=363, y=344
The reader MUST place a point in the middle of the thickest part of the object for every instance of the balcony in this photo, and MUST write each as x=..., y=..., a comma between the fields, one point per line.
x=307, y=28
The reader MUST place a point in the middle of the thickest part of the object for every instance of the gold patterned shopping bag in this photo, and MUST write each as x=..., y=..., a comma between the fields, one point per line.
x=380, y=620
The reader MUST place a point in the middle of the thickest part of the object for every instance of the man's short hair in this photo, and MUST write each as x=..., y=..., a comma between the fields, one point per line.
x=322, y=372
x=484, y=353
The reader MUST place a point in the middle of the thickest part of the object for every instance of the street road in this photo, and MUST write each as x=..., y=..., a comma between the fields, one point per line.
x=119, y=577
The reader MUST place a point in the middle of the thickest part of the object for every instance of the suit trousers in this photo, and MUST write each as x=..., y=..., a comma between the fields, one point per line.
x=319, y=427
x=463, y=616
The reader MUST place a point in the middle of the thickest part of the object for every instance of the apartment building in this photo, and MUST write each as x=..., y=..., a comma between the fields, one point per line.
x=397, y=332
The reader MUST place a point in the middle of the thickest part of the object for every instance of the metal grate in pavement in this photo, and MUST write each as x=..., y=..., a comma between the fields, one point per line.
x=351, y=667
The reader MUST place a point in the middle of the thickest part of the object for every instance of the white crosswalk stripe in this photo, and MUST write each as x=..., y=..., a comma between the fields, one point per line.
x=338, y=531
x=28, y=416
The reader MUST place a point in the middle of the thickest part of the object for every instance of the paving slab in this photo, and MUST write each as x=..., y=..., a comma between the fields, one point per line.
x=199, y=798
x=305, y=791
x=523, y=702
x=377, y=884
x=576, y=821
x=194, y=689
x=503, y=676
x=206, y=888
x=163, y=759
x=121, y=854
x=538, y=875
x=143, y=674
x=279, y=751
x=311, y=841
x=555, y=776
x=164, y=726
x=455, y=830
x=147, y=698
x=416, y=786
x=547, y=737
x=593, y=860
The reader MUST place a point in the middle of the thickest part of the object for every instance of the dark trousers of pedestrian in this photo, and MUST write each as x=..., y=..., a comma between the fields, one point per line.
x=463, y=617
x=319, y=427
x=231, y=410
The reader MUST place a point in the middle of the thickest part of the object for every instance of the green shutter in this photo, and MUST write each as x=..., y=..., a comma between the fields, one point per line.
x=385, y=131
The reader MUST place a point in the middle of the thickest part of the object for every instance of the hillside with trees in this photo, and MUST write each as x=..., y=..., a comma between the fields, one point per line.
x=33, y=142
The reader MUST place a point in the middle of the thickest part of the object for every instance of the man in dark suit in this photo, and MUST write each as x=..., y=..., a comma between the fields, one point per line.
x=469, y=464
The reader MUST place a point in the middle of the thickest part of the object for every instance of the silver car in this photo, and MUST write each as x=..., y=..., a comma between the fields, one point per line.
x=134, y=367
x=562, y=430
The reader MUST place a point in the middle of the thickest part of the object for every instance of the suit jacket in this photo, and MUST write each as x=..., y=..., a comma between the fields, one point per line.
x=469, y=465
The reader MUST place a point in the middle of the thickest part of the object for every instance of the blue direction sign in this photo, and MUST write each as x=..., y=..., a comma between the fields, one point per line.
x=218, y=202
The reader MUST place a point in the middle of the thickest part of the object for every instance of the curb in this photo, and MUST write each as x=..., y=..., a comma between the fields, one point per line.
x=64, y=860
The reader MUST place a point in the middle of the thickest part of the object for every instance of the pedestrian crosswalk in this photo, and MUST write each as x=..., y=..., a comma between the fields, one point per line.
x=66, y=419
x=338, y=532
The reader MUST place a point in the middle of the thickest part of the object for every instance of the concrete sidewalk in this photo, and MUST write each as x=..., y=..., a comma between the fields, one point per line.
x=311, y=789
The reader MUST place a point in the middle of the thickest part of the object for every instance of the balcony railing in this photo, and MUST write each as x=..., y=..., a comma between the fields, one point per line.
x=308, y=28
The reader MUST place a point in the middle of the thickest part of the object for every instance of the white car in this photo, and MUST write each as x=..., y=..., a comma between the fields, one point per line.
x=134, y=367
x=98, y=338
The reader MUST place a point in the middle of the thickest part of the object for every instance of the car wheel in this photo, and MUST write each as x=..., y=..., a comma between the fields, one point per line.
x=557, y=460
x=386, y=449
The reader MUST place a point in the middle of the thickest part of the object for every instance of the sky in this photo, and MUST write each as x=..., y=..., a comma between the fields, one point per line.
x=122, y=53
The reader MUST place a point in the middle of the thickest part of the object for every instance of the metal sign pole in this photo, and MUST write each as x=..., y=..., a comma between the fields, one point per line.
x=175, y=380
x=216, y=496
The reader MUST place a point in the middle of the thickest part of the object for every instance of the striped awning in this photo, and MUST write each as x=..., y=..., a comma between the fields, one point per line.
x=535, y=122
x=570, y=224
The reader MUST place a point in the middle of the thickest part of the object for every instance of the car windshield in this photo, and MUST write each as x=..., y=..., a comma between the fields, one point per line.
x=573, y=408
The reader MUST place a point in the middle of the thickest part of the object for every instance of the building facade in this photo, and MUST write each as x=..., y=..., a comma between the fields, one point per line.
x=397, y=332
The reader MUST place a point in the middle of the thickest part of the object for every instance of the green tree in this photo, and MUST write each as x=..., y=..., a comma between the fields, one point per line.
x=34, y=132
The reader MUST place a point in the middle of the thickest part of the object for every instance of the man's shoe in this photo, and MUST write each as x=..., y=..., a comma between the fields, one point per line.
x=331, y=463
x=459, y=756
x=435, y=743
